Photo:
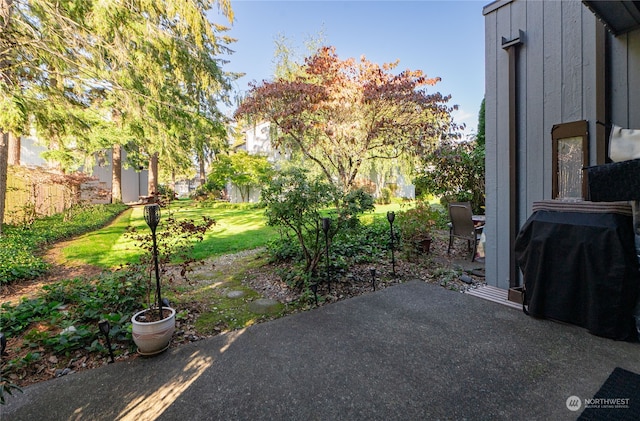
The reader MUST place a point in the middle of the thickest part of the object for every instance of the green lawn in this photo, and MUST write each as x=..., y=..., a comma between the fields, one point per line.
x=237, y=228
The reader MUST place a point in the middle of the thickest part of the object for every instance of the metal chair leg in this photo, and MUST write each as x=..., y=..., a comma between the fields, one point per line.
x=475, y=249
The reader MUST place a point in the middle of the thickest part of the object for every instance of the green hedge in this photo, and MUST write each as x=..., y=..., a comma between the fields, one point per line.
x=21, y=246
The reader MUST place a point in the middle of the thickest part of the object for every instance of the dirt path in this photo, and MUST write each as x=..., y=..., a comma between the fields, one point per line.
x=56, y=272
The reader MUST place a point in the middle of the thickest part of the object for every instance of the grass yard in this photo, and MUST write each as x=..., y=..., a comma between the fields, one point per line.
x=237, y=228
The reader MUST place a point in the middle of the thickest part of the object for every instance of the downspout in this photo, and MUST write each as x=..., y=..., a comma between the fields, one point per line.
x=603, y=97
x=511, y=46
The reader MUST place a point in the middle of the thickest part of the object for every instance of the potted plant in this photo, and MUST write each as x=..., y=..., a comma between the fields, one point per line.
x=152, y=329
x=415, y=226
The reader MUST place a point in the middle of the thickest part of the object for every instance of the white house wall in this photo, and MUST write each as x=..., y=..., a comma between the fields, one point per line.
x=258, y=140
x=556, y=84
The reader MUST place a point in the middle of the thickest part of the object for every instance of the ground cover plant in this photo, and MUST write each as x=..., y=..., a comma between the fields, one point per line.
x=20, y=246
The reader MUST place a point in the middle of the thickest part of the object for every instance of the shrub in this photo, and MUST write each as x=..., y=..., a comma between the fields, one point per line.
x=456, y=172
x=417, y=223
x=362, y=243
x=294, y=202
x=297, y=203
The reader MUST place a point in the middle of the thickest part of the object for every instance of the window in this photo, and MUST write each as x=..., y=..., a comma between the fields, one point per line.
x=570, y=157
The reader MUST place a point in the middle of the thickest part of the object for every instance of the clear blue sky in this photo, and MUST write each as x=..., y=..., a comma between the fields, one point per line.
x=442, y=38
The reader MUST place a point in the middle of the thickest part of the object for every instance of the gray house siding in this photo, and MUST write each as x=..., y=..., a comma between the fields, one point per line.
x=133, y=183
x=625, y=79
x=556, y=80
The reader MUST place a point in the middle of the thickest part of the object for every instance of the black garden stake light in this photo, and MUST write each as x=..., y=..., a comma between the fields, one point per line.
x=152, y=217
x=105, y=327
x=391, y=216
x=314, y=289
x=3, y=344
x=373, y=277
x=326, y=224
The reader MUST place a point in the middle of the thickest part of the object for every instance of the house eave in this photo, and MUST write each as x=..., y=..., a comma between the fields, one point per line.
x=494, y=5
x=618, y=16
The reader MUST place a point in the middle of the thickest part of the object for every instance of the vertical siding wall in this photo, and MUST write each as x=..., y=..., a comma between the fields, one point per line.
x=625, y=79
x=556, y=84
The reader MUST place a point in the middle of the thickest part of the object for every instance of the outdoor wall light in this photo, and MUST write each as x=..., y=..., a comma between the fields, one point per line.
x=391, y=216
x=152, y=217
x=105, y=327
x=373, y=277
x=326, y=225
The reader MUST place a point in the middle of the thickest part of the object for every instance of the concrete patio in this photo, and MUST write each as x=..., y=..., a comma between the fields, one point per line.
x=409, y=352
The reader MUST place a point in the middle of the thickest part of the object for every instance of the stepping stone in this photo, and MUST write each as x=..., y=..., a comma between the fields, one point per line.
x=235, y=294
x=466, y=279
x=263, y=306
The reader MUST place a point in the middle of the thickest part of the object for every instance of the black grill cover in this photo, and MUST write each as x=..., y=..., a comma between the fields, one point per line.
x=581, y=268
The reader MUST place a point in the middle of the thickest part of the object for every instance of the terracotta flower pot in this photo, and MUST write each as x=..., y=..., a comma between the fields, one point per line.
x=423, y=245
x=153, y=337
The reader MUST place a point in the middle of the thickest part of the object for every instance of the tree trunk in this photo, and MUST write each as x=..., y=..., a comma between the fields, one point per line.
x=116, y=174
x=153, y=176
x=203, y=178
x=4, y=155
x=5, y=15
x=14, y=149
x=244, y=194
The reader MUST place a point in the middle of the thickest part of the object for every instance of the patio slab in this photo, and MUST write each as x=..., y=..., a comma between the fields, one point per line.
x=409, y=352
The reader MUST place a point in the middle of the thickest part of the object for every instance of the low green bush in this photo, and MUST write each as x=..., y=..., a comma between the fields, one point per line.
x=21, y=246
x=79, y=302
x=364, y=243
x=356, y=244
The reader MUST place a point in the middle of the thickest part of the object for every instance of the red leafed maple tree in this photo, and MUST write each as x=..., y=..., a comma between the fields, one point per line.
x=339, y=113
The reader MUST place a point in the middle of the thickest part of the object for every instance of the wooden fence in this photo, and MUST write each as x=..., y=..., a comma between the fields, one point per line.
x=32, y=193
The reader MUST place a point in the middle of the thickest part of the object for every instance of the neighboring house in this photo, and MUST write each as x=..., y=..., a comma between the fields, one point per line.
x=31, y=152
x=184, y=188
x=134, y=181
x=257, y=141
x=558, y=73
